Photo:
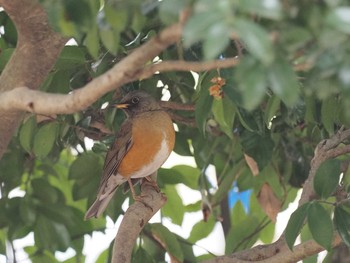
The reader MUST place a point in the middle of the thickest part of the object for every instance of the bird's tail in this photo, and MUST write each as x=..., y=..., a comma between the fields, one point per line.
x=98, y=207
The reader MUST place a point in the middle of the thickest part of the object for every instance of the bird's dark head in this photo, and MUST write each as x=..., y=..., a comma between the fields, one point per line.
x=136, y=102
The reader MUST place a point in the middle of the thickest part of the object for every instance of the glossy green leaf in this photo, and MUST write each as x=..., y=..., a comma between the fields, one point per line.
x=327, y=178
x=168, y=239
x=283, y=81
x=27, y=132
x=342, y=223
x=295, y=223
x=257, y=40
x=201, y=230
x=320, y=225
x=44, y=139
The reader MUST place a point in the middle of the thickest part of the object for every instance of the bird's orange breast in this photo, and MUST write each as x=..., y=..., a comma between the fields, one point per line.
x=149, y=131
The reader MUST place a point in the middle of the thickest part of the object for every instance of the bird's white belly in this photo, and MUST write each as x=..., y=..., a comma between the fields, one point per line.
x=157, y=162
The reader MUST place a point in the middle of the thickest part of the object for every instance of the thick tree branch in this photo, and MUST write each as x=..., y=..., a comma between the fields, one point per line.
x=31, y=61
x=325, y=150
x=275, y=253
x=45, y=103
x=135, y=218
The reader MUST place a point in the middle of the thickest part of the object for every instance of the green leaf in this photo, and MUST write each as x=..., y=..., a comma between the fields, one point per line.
x=116, y=18
x=168, y=238
x=330, y=113
x=44, y=139
x=110, y=40
x=174, y=200
x=203, y=104
x=260, y=148
x=253, y=88
x=327, y=178
x=320, y=225
x=85, y=167
x=169, y=10
x=70, y=58
x=43, y=190
x=265, y=8
x=224, y=113
x=5, y=56
x=92, y=41
x=272, y=107
x=295, y=224
x=211, y=46
x=26, y=134
x=201, y=230
x=198, y=25
x=190, y=175
x=338, y=18
x=141, y=255
x=342, y=223
x=283, y=81
x=257, y=40
x=50, y=235
x=27, y=211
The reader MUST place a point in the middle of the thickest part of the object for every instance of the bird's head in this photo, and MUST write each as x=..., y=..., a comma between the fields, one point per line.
x=136, y=102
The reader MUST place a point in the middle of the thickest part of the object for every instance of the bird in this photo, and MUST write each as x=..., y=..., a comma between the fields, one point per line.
x=141, y=146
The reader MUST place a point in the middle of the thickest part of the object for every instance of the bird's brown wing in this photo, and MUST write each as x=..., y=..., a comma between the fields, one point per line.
x=116, y=153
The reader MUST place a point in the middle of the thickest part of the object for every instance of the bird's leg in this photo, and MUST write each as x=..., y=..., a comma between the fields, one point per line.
x=133, y=193
x=153, y=183
x=137, y=198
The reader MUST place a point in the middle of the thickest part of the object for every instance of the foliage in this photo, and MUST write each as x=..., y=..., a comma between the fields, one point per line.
x=289, y=91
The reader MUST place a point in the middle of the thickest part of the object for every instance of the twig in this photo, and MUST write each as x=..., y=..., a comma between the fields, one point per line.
x=181, y=65
x=177, y=106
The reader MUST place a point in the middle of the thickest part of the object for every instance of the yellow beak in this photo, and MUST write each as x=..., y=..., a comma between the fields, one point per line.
x=122, y=106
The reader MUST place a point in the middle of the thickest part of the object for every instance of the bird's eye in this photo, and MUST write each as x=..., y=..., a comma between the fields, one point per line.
x=135, y=100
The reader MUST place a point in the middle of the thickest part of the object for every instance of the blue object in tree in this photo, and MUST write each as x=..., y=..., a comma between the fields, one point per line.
x=235, y=195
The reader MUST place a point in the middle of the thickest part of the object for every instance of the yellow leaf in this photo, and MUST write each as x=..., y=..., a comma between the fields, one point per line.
x=269, y=202
x=253, y=165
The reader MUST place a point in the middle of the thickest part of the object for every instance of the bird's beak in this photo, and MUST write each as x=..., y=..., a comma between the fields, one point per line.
x=119, y=105
x=122, y=106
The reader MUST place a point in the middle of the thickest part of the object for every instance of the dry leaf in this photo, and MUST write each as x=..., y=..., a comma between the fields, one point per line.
x=269, y=202
x=253, y=165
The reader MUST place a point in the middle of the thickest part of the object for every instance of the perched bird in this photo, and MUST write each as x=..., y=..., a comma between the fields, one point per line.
x=143, y=143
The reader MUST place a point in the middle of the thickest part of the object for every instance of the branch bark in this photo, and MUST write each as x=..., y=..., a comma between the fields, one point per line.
x=135, y=218
x=31, y=61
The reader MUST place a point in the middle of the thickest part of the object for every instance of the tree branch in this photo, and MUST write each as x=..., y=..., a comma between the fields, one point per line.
x=134, y=220
x=181, y=65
